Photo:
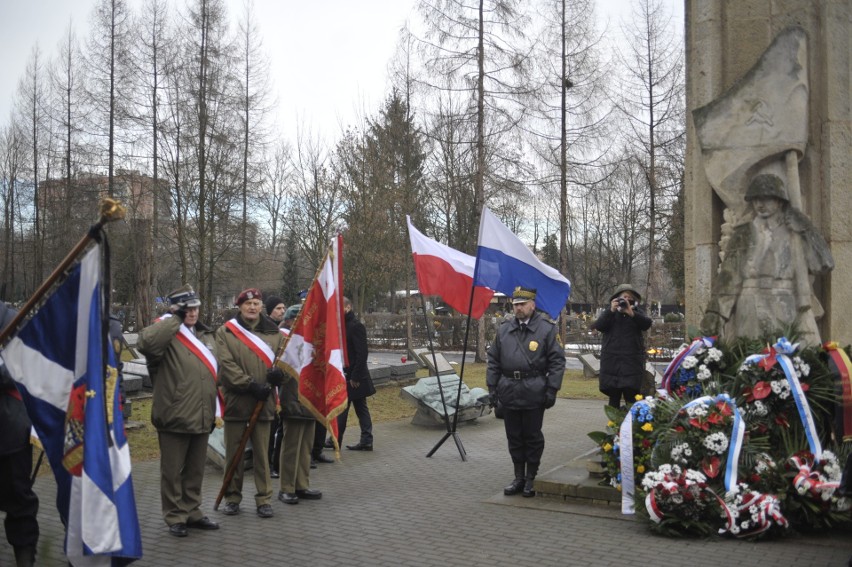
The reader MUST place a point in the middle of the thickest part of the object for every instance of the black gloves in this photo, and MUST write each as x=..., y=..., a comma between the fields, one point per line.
x=181, y=313
x=275, y=376
x=550, y=399
x=492, y=398
x=259, y=391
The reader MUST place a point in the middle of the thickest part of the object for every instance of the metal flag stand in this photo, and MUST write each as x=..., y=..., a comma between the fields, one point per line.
x=452, y=430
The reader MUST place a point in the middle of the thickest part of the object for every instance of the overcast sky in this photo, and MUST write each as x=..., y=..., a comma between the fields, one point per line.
x=328, y=57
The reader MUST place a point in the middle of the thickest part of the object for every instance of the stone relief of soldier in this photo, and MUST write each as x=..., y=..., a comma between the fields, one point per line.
x=752, y=139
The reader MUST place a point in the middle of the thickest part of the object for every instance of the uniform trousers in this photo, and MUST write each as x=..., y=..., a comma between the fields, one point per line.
x=17, y=498
x=260, y=461
x=182, y=459
x=296, y=447
x=523, y=432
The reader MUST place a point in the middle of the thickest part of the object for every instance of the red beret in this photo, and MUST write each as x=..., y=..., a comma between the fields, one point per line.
x=250, y=293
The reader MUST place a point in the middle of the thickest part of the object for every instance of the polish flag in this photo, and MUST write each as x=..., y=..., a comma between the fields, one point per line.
x=448, y=273
x=315, y=351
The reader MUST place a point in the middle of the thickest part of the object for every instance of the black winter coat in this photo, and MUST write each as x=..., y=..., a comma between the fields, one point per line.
x=356, y=350
x=535, y=352
x=14, y=422
x=622, y=350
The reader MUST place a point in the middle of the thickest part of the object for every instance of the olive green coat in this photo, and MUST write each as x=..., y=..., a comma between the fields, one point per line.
x=239, y=366
x=184, y=390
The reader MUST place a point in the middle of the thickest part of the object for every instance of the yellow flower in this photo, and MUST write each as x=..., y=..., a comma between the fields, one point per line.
x=610, y=423
x=640, y=469
x=647, y=427
x=618, y=487
x=607, y=447
x=639, y=397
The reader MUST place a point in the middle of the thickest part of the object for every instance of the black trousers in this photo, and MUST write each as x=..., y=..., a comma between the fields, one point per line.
x=523, y=432
x=17, y=498
x=364, y=420
x=319, y=440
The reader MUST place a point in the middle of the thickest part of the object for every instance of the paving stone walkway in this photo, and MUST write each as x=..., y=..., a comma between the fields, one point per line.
x=395, y=507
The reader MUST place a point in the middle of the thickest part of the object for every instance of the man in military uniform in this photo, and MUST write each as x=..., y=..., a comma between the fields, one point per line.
x=179, y=353
x=247, y=347
x=525, y=368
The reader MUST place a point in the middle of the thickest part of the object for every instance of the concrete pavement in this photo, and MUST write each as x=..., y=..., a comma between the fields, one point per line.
x=396, y=507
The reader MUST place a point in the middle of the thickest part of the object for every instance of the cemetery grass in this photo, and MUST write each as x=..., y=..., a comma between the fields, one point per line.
x=386, y=405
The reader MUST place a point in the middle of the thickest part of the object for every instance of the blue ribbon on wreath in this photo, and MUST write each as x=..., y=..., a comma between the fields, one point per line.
x=781, y=351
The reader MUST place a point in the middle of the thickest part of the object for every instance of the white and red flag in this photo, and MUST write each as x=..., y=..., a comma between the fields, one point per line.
x=448, y=273
x=315, y=350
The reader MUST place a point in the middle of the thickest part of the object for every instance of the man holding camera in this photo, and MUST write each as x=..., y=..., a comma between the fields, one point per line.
x=178, y=349
x=524, y=373
x=623, y=347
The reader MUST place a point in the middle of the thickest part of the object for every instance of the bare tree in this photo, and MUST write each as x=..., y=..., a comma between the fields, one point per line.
x=150, y=60
x=652, y=101
x=31, y=102
x=108, y=64
x=254, y=109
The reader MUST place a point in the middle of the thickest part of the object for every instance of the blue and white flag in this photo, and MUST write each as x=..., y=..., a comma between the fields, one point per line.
x=65, y=369
x=503, y=262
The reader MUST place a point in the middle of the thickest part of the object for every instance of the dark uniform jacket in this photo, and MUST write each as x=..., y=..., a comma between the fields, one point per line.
x=356, y=350
x=622, y=350
x=184, y=389
x=14, y=421
x=524, y=365
x=239, y=366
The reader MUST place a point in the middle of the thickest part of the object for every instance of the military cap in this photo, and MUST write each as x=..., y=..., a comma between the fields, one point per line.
x=523, y=294
x=184, y=296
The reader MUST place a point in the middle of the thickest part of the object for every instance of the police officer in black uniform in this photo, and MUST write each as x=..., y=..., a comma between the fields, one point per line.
x=525, y=368
x=17, y=498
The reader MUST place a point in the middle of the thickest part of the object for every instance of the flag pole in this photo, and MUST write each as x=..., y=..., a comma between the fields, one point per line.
x=111, y=210
x=452, y=431
x=435, y=365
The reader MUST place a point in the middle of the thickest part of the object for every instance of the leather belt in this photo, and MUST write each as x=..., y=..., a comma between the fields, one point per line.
x=522, y=374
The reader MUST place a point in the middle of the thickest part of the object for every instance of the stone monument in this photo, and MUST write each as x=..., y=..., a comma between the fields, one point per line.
x=768, y=152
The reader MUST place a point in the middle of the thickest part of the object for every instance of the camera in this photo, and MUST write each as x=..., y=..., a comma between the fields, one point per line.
x=623, y=303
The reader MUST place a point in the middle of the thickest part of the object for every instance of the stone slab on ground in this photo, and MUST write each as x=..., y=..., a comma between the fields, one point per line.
x=403, y=371
x=443, y=365
x=379, y=373
x=426, y=396
x=132, y=383
x=591, y=365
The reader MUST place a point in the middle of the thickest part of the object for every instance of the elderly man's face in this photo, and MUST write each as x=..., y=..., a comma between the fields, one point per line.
x=191, y=316
x=524, y=310
x=250, y=309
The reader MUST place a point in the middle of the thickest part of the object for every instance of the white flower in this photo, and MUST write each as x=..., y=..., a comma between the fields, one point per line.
x=716, y=442
x=689, y=362
x=703, y=373
x=760, y=408
x=714, y=355
x=696, y=410
x=802, y=367
x=681, y=452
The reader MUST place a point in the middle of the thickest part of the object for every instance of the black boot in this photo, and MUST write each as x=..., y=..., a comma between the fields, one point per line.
x=532, y=470
x=518, y=484
x=25, y=556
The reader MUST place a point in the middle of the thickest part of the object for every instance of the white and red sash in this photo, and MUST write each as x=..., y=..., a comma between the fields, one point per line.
x=252, y=341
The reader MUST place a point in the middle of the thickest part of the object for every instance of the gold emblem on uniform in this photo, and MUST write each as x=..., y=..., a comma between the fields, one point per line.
x=533, y=346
